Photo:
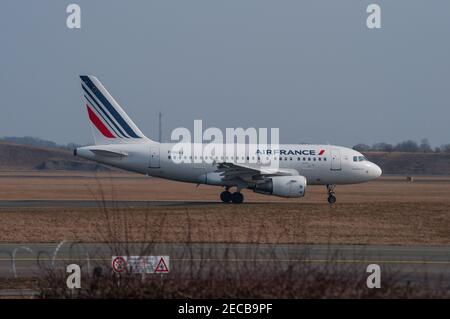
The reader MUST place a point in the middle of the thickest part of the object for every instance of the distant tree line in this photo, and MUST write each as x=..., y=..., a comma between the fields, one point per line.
x=35, y=141
x=405, y=146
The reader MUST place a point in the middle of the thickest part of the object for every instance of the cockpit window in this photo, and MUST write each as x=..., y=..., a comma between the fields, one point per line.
x=359, y=159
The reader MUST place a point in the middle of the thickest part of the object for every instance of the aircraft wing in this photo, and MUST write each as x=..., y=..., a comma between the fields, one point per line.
x=246, y=173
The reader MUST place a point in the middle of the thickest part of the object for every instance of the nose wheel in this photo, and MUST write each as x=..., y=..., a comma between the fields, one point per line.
x=330, y=191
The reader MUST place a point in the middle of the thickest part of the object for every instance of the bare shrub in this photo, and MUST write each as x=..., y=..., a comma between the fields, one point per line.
x=220, y=270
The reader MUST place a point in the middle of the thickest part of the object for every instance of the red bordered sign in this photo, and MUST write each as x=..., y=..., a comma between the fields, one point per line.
x=141, y=264
x=162, y=266
x=119, y=264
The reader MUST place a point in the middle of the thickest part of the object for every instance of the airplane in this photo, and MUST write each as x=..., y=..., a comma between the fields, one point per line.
x=120, y=143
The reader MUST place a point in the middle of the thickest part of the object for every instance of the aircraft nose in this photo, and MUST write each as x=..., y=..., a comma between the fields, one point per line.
x=375, y=170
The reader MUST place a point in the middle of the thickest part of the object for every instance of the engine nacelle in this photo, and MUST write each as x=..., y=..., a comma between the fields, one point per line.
x=283, y=186
x=211, y=179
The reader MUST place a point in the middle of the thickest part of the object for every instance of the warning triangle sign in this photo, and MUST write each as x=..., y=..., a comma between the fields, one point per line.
x=161, y=267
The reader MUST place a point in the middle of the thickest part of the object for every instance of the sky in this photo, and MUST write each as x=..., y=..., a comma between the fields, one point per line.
x=311, y=68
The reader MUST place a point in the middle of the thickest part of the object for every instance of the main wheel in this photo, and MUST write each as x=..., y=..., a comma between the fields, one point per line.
x=331, y=199
x=237, y=198
x=225, y=196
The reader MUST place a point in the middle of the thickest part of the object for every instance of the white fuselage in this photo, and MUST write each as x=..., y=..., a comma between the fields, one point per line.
x=319, y=164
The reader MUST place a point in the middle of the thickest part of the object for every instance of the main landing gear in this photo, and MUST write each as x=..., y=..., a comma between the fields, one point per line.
x=226, y=196
x=330, y=191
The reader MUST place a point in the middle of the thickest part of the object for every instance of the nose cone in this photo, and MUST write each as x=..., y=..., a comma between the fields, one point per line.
x=375, y=171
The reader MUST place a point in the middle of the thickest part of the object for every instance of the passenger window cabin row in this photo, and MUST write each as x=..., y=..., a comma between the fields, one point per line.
x=232, y=158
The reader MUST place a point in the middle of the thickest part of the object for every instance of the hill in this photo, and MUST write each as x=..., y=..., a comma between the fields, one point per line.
x=411, y=163
x=21, y=157
x=17, y=156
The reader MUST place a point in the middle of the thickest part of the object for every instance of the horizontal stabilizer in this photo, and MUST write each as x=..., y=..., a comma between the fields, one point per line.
x=107, y=153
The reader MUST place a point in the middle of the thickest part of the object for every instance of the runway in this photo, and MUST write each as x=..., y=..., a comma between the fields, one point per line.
x=409, y=264
x=97, y=203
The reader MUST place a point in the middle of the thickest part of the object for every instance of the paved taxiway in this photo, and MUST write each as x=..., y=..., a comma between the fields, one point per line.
x=414, y=264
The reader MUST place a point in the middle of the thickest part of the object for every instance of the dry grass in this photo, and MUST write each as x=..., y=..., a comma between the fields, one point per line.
x=362, y=223
x=387, y=211
x=32, y=185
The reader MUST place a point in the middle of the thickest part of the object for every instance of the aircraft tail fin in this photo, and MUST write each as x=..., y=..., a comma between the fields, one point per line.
x=110, y=124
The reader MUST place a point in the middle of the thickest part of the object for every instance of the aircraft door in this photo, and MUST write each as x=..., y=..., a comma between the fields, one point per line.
x=336, y=160
x=154, y=157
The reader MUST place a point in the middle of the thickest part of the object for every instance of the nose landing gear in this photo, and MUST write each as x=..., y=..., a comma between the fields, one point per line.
x=330, y=191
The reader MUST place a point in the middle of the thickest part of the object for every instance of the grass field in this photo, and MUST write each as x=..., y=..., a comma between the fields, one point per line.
x=387, y=211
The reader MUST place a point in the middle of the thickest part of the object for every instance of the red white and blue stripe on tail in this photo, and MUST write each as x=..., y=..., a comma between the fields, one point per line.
x=105, y=114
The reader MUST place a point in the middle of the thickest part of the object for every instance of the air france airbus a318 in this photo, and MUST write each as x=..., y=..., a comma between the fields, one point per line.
x=120, y=143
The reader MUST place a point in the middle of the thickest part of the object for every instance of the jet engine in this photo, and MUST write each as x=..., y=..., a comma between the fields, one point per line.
x=283, y=186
